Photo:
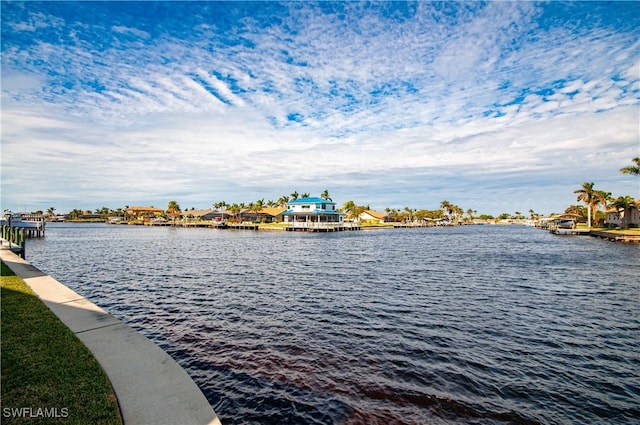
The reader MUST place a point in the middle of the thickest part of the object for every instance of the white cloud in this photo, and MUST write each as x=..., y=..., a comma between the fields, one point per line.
x=379, y=101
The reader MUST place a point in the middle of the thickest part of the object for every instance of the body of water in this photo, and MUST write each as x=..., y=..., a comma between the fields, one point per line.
x=478, y=324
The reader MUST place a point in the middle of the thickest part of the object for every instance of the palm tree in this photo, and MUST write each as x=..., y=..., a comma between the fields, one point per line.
x=622, y=204
x=602, y=198
x=325, y=195
x=409, y=212
x=349, y=209
x=294, y=195
x=457, y=212
x=235, y=210
x=282, y=201
x=470, y=213
x=632, y=169
x=359, y=210
x=256, y=208
x=51, y=212
x=447, y=207
x=173, y=209
x=305, y=195
x=589, y=196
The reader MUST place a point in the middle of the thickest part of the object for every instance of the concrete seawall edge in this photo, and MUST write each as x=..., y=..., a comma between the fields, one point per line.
x=151, y=387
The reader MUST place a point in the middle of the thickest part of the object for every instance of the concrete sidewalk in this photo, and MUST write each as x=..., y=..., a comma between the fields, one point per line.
x=150, y=386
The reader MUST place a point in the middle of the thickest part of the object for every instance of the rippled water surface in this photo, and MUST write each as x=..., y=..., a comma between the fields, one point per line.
x=481, y=324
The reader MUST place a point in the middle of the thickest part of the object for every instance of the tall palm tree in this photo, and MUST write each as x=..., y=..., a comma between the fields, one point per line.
x=409, y=212
x=457, y=212
x=220, y=206
x=305, y=195
x=325, y=195
x=282, y=201
x=173, y=209
x=632, y=169
x=447, y=207
x=294, y=195
x=589, y=196
x=602, y=198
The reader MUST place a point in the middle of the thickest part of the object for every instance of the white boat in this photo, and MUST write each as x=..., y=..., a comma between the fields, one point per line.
x=20, y=221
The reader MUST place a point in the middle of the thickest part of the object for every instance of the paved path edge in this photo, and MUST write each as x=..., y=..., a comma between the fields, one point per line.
x=150, y=386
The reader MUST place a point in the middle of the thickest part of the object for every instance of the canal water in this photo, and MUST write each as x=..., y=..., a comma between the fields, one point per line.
x=476, y=325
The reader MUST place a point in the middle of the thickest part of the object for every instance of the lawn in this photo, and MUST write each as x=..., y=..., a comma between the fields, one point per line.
x=48, y=375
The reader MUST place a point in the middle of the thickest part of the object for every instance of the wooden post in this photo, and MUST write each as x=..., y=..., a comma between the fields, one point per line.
x=22, y=243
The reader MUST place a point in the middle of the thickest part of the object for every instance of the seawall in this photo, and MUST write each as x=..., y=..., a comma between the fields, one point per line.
x=150, y=386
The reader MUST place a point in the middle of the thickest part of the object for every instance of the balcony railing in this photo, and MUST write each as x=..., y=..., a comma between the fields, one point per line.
x=321, y=225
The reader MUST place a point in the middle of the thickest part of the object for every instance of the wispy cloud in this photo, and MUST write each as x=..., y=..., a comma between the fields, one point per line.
x=395, y=103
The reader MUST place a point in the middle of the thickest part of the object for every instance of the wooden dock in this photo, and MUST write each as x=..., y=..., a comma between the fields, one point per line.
x=575, y=232
x=321, y=227
x=292, y=227
x=412, y=225
x=13, y=239
x=242, y=226
x=627, y=237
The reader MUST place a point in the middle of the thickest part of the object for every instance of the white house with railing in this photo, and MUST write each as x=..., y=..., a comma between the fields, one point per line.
x=313, y=214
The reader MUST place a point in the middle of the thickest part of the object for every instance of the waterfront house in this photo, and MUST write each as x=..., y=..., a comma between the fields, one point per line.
x=373, y=217
x=273, y=214
x=206, y=215
x=265, y=215
x=632, y=219
x=143, y=213
x=313, y=212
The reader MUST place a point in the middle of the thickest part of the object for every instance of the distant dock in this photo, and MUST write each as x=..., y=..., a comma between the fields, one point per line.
x=321, y=227
x=17, y=228
x=628, y=236
x=560, y=231
x=291, y=227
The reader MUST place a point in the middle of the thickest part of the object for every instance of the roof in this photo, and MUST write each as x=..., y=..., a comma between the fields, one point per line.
x=273, y=211
x=144, y=209
x=375, y=214
x=311, y=201
x=197, y=213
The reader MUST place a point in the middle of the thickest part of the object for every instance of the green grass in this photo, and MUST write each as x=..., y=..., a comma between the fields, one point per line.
x=45, y=366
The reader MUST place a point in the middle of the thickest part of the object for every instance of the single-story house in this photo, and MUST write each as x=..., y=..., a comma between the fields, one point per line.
x=206, y=215
x=273, y=214
x=267, y=214
x=143, y=213
x=373, y=216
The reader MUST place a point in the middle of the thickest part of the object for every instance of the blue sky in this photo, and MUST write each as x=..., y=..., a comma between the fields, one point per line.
x=497, y=106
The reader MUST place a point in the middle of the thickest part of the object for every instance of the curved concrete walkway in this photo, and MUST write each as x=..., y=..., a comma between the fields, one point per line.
x=150, y=386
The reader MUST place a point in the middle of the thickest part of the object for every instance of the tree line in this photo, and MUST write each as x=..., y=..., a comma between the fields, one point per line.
x=594, y=199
